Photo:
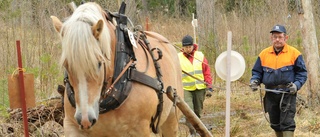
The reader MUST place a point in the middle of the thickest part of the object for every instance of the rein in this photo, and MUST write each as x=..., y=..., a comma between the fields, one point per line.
x=280, y=107
x=105, y=93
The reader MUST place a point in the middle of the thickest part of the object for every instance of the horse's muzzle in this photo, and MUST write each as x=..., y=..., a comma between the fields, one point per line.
x=86, y=123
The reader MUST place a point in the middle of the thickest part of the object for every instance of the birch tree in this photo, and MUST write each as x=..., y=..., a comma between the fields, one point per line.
x=310, y=45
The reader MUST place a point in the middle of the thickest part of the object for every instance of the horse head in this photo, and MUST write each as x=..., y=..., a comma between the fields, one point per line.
x=86, y=58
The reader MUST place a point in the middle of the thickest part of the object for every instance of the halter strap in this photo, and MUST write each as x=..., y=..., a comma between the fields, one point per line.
x=69, y=87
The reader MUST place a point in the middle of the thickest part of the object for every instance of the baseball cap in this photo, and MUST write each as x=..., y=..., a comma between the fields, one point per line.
x=278, y=28
x=187, y=40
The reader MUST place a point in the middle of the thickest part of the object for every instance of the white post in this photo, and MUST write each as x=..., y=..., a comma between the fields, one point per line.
x=72, y=6
x=194, y=23
x=228, y=84
x=119, y=3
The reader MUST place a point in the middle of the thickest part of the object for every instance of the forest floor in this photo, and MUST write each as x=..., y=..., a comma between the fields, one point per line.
x=247, y=118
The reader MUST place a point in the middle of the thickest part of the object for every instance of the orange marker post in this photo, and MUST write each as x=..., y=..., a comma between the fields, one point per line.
x=22, y=92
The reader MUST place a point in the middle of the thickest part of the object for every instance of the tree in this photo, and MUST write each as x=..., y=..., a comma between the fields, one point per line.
x=206, y=30
x=205, y=15
x=310, y=45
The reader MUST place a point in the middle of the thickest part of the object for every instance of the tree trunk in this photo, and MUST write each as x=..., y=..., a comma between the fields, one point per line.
x=205, y=32
x=183, y=7
x=131, y=12
x=310, y=45
x=144, y=8
x=205, y=16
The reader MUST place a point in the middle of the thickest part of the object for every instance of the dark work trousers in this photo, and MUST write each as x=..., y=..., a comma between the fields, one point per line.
x=195, y=100
x=281, y=114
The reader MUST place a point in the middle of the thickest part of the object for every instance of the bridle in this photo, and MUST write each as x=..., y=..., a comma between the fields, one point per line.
x=70, y=90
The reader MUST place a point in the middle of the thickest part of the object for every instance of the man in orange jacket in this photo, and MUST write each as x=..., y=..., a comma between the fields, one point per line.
x=280, y=67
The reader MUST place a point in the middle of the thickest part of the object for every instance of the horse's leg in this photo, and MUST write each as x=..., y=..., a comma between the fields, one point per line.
x=170, y=126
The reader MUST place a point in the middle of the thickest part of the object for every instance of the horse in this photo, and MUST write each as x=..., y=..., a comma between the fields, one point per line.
x=89, y=42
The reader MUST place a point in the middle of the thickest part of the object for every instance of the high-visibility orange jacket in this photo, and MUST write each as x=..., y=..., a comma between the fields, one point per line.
x=273, y=70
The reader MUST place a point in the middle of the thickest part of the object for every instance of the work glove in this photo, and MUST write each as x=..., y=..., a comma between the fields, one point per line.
x=292, y=87
x=209, y=92
x=254, y=85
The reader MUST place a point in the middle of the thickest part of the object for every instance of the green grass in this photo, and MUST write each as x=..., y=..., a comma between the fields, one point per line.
x=4, y=99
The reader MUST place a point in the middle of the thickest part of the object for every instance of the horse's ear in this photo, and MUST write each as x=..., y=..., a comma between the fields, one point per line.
x=56, y=23
x=97, y=29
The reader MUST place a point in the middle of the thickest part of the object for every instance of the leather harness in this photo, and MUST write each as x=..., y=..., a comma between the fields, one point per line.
x=125, y=71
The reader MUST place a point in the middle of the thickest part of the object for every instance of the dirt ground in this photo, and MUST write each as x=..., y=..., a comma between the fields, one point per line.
x=247, y=118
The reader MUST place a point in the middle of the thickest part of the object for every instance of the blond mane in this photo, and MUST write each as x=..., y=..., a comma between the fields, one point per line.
x=81, y=51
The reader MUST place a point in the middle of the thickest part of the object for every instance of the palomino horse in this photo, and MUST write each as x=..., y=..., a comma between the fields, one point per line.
x=89, y=46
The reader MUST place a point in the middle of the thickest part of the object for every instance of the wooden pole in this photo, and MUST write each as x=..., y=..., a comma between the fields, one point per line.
x=194, y=25
x=22, y=92
x=190, y=115
x=228, y=84
x=194, y=77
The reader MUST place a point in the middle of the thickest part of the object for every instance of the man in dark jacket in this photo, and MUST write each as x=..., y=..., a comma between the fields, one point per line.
x=280, y=67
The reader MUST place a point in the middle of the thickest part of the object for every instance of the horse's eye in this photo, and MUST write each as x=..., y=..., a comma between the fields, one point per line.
x=99, y=65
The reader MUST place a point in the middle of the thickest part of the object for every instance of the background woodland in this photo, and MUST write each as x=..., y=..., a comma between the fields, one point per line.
x=250, y=22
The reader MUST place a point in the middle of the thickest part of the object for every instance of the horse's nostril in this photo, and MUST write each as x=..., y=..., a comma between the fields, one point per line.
x=78, y=120
x=93, y=121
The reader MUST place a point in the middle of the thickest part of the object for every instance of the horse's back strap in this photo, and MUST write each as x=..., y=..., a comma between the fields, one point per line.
x=140, y=77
